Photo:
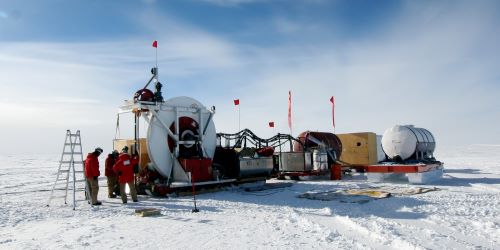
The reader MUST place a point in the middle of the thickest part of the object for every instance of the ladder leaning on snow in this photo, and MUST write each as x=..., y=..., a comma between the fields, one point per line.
x=72, y=147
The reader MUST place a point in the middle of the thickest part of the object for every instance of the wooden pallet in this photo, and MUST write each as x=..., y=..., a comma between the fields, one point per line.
x=147, y=212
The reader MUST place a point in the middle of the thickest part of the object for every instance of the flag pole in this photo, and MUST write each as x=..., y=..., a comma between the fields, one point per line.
x=290, y=111
x=155, y=45
x=237, y=103
x=332, y=100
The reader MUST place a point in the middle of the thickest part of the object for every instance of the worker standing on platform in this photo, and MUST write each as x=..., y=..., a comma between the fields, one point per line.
x=113, y=187
x=124, y=168
x=92, y=173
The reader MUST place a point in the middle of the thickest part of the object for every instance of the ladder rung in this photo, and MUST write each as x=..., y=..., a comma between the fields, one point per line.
x=70, y=162
x=66, y=171
x=60, y=196
x=69, y=144
x=75, y=153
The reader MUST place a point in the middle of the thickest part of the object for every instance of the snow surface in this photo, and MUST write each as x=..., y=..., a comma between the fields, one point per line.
x=464, y=214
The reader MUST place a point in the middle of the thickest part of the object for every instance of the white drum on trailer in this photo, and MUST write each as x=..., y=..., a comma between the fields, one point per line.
x=160, y=153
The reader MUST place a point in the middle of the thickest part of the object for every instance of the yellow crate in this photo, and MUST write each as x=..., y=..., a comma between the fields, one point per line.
x=359, y=148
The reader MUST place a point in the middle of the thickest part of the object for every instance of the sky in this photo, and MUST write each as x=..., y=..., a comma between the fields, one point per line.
x=71, y=64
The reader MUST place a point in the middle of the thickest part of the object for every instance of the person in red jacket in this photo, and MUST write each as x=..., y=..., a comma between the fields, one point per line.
x=91, y=173
x=113, y=187
x=124, y=168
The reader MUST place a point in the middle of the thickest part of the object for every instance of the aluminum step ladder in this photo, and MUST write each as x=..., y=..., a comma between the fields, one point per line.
x=67, y=172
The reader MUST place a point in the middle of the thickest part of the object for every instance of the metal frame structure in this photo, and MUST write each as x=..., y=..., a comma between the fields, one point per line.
x=72, y=146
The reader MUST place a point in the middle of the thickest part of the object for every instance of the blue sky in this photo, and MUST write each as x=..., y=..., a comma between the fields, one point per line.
x=70, y=64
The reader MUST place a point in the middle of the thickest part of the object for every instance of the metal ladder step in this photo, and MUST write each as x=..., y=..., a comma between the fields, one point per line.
x=77, y=162
x=67, y=171
x=60, y=196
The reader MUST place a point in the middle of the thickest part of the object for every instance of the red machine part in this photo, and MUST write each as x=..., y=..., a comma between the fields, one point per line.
x=201, y=169
x=265, y=152
x=144, y=95
x=187, y=127
x=336, y=172
x=190, y=157
x=403, y=168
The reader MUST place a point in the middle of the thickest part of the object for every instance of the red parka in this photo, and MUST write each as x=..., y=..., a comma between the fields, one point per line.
x=110, y=162
x=124, y=167
x=92, y=166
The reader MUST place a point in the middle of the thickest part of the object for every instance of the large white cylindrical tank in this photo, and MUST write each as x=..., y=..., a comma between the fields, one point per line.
x=380, y=152
x=407, y=141
x=194, y=118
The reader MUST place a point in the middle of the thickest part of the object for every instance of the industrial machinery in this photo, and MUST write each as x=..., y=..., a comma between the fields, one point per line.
x=313, y=154
x=180, y=141
x=246, y=157
x=181, y=149
x=410, y=154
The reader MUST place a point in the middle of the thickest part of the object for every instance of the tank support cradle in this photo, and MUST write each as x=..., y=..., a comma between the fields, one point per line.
x=420, y=173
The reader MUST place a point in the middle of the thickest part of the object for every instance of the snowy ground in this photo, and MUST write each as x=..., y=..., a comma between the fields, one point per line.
x=464, y=214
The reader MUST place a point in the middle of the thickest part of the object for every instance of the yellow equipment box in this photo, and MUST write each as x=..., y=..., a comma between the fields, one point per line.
x=359, y=148
x=143, y=154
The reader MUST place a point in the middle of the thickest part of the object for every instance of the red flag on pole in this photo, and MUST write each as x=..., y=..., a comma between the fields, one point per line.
x=290, y=109
x=236, y=102
x=271, y=124
x=155, y=44
x=332, y=100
